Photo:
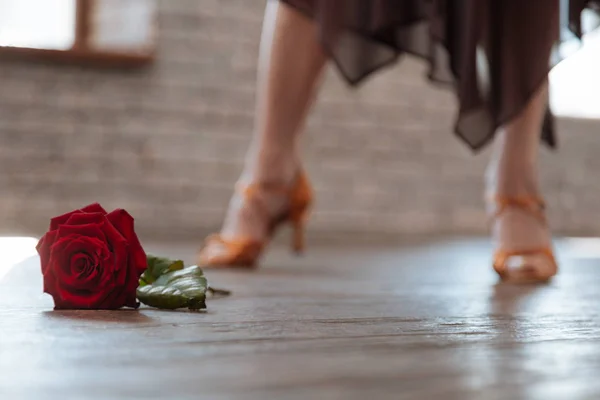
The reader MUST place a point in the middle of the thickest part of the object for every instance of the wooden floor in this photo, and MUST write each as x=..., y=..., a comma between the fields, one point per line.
x=420, y=321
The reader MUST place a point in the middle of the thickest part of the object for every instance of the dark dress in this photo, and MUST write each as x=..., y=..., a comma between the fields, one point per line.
x=495, y=53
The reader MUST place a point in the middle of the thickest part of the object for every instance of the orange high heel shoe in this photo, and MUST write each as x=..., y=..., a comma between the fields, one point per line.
x=524, y=271
x=245, y=252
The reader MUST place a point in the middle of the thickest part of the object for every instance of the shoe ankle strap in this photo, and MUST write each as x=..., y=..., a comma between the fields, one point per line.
x=249, y=192
x=534, y=205
x=251, y=189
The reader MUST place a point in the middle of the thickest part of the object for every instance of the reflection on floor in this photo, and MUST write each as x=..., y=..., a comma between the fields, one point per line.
x=420, y=321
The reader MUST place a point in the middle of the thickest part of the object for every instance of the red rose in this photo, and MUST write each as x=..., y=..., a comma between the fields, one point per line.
x=92, y=259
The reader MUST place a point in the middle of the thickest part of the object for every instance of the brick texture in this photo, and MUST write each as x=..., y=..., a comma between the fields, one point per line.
x=167, y=143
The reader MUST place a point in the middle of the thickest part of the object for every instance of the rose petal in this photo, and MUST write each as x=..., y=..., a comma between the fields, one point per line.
x=113, y=235
x=81, y=299
x=65, y=248
x=43, y=248
x=130, y=289
x=109, y=272
x=123, y=296
x=83, y=296
x=82, y=265
x=94, y=208
x=60, y=267
x=61, y=219
x=114, y=301
x=50, y=283
x=124, y=223
x=119, y=251
x=111, y=241
x=86, y=230
x=58, y=259
x=85, y=218
x=87, y=271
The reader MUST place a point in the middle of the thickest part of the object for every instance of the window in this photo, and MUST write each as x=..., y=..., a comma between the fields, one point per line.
x=119, y=32
x=575, y=82
x=47, y=24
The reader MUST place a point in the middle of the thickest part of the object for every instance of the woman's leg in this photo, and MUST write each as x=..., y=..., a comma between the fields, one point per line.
x=513, y=174
x=522, y=35
x=290, y=66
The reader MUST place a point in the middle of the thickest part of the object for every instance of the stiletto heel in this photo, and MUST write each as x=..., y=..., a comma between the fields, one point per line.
x=523, y=270
x=298, y=240
x=301, y=200
x=245, y=252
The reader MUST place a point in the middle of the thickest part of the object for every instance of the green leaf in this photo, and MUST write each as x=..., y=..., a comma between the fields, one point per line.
x=176, y=287
x=157, y=266
x=168, y=284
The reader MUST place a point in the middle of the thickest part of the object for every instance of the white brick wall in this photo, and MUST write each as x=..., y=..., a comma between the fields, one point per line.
x=167, y=143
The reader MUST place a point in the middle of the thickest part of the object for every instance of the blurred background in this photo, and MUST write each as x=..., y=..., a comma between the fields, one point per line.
x=148, y=106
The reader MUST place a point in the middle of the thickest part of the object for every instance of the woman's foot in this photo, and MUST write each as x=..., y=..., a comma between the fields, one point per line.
x=248, y=214
x=245, y=228
x=521, y=236
x=255, y=211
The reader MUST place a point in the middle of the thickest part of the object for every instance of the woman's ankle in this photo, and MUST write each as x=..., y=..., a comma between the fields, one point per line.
x=512, y=181
x=278, y=168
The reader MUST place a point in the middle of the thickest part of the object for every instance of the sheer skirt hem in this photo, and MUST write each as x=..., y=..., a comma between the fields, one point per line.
x=361, y=47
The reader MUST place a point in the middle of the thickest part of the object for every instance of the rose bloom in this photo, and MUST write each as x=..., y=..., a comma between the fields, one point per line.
x=92, y=259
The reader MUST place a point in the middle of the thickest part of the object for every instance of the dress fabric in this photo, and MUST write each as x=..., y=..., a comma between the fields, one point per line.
x=495, y=54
